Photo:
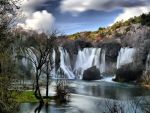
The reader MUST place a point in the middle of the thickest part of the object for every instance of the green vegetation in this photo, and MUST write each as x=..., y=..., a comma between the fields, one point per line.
x=8, y=45
x=14, y=46
x=128, y=72
x=143, y=19
x=127, y=29
x=145, y=79
x=28, y=96
x=17, y=44
x=118, y=34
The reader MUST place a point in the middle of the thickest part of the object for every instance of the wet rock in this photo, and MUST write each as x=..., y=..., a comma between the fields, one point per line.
x=91, y=73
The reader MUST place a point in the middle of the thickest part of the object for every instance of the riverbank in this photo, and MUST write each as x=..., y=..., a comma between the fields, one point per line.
x=145, y=85
x=86, y=96
x=28, y=96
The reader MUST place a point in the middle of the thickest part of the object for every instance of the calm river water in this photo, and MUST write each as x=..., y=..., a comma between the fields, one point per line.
x=92, y=96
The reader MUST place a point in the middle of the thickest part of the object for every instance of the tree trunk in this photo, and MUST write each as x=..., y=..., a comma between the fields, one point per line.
x=47, y=82
x=37, y=92
x=38, y=109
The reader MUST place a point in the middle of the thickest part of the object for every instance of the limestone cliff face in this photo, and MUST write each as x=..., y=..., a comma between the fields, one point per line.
x=129, y=35
x=133, y=35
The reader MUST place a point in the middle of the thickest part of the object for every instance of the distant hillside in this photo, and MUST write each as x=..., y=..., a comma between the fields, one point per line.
x=125, y=32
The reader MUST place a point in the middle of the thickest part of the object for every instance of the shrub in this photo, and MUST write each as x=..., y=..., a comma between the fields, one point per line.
x=128, y=72
x=127, y=29
x=62, y=94
x=118, y=34
x=145, y=78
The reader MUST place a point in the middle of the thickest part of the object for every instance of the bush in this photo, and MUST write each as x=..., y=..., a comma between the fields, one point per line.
x=128, y=72
x=145, y=78
x=118, y=34
x=127, y=29
x=62, y=94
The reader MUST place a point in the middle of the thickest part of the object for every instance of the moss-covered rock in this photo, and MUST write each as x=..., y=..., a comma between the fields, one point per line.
x=128, y=72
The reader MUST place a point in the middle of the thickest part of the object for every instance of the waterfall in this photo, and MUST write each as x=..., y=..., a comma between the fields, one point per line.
x=125, y=56
x=32, y=58
x=65, y=70
x=87, y=58
x=147, y=66
x=25, y=62
x=53, y=64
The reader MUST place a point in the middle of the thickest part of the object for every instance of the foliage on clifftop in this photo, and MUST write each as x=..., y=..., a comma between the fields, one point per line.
x=105, y=34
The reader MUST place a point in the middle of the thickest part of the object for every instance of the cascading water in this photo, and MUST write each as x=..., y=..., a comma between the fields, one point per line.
x=147, y=65
x=52, y=65
x=30, y=59
x=65, y=70
x=25, y=62
x=125, y=56
x=87, y=58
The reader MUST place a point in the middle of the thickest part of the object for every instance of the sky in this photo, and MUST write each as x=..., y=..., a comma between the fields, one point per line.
x=72, y=16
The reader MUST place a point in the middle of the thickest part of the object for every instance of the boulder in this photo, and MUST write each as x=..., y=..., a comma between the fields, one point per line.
x=91, y=73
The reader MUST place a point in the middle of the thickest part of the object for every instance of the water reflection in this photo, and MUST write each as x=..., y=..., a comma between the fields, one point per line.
x=106, y=90
x=85, y=95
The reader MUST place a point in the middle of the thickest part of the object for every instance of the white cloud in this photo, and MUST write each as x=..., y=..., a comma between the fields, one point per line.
x=36, y=19
x=39, y=20
x=131, y=12
x=76, y=6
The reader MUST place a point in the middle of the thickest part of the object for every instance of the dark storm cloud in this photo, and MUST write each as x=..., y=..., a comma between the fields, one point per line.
x=110, y=5
x=84, y=10
x=100, y=5
x=50, y=5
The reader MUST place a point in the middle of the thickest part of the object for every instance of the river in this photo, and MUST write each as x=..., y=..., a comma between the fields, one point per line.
x=91, y=97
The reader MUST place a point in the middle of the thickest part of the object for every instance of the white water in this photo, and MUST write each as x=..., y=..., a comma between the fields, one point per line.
x=30, y=59
x=25, y=62
x=147, y=65
x=65, y=70
x=125, y=56
x=87, y=58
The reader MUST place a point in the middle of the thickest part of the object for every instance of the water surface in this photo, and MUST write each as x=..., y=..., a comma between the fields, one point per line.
x=86, y=96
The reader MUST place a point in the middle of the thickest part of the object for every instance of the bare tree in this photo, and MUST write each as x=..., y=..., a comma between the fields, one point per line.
x=44, y=46
x=51, y=65
x=132, y=105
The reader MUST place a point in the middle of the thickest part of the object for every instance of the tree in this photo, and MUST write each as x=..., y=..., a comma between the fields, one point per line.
x=9, y=14
x=131, y=105
x=42, y=60
x=51, y=64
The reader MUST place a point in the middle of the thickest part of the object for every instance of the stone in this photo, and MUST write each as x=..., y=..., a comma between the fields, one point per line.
x=91, y=73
